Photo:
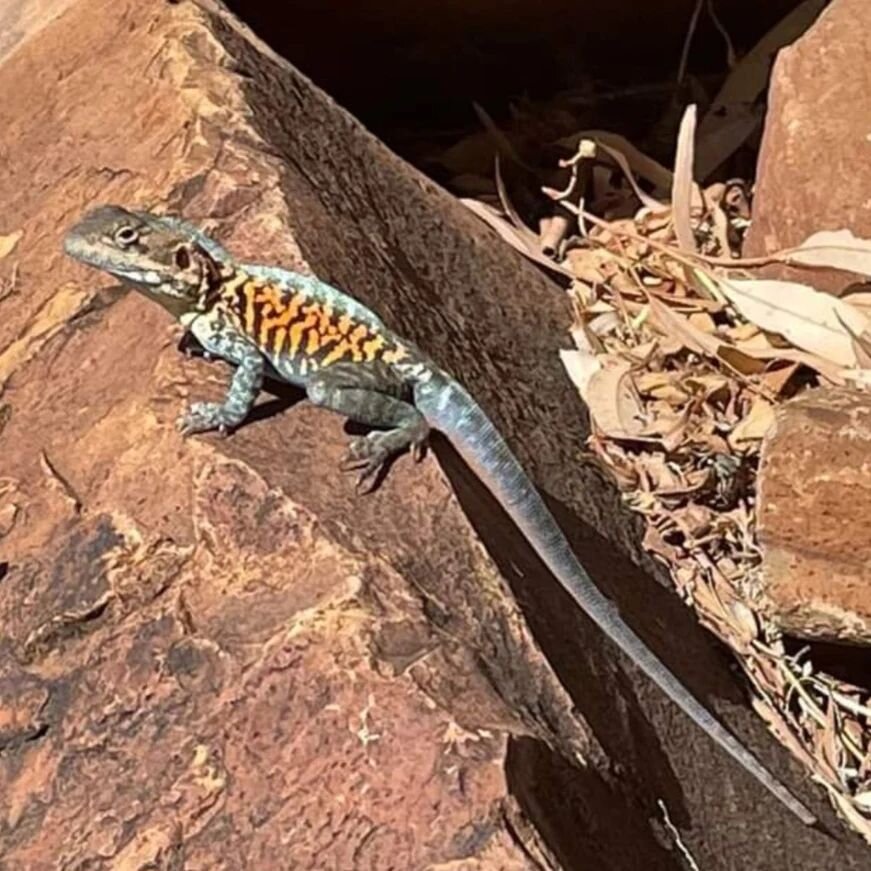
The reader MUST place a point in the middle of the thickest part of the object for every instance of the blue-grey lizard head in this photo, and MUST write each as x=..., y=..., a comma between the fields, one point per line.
x=162, y=257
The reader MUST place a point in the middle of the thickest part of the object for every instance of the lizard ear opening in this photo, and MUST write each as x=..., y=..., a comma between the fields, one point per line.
x=182, y=258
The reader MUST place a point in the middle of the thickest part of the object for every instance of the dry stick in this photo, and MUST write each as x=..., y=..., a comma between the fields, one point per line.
x=675, y=834
x=781, y=256
x=581, y=173
x=731, y=59
x=685, y=51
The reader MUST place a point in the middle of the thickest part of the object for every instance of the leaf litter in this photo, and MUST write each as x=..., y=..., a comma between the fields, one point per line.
x=683, y=358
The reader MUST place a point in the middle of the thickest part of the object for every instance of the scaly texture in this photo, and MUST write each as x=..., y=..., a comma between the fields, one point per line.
x=313, y=335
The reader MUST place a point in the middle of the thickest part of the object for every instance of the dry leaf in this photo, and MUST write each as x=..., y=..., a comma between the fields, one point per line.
x=830, y=371
x=654, y=543
x=8, y=515
x=810, y=320
x=529, y=238
x=724, y=134
x=672, y=324
x=661, y=385
x=858, y=378
x=703, y=321
x=829, y=744
x=861, y=343
x=511, y=235
x=856, y=819
x=646, y=200
x=668, y=427
x=835, y=249
x=746, y=625
x=742, y=360
x=586, y=263
x=644, y=352
x=599, y=307
x=753, y=427
x=778, y=376
x=694, y=520
x=708, y=384
x=720, y=230
x=679, y=300
x=749, y=335
x=502, y=142
x=583, y=339
x=613, y=402
x=681, y=190
x=605, y=323
x=859, y=296
x=863, y=800
x=580, y=367
x=658, y=475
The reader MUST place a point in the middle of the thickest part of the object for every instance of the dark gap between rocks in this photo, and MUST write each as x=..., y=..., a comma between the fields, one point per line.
x=411, y=73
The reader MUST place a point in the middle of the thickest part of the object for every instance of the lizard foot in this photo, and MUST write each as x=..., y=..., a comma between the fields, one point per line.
x=371, y=452
x=202, y=417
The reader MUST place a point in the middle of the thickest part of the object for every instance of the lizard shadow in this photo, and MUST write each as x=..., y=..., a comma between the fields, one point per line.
x=608, y=695
x=284, y=395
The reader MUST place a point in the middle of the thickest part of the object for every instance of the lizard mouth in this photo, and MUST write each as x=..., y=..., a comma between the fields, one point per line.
x=96, y=255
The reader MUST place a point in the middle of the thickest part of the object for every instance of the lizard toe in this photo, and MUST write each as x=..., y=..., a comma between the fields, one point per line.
x=202, y=417
x=359, y=450
x=366, y=455
x=418, y=449
x=368, y=477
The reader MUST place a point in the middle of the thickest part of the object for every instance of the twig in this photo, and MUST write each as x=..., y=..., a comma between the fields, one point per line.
x=675, y=834
x=685, y=51
x=731, y=58
x=782, y=255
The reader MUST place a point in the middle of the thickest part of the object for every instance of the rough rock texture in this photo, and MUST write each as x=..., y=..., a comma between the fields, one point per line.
x=814, y=167
x=214, y=655
x=814, y=505
x=21, y=19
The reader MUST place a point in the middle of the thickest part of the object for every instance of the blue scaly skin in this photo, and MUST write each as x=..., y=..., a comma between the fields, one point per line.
x=316, y=337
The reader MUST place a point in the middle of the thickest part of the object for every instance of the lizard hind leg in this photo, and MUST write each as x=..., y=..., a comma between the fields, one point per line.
x=404, y=427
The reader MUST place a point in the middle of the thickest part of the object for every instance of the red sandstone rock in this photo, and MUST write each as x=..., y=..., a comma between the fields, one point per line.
x=814, y=174
x=814, y=170
x=814, y=509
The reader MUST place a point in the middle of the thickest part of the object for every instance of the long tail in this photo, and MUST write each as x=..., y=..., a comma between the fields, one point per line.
x=452, y=411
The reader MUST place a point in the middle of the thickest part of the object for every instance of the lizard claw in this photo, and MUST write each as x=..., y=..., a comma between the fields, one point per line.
x=191, y=348
x=202, y=417
x=368, y=456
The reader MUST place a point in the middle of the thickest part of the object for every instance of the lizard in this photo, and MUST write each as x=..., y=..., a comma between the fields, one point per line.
x=265, y=319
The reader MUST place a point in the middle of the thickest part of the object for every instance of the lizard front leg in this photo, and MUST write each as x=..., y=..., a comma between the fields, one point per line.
x=351, y=394
x=220, y=340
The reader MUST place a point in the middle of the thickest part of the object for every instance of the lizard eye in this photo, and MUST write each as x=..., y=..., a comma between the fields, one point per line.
x=126, y=235
x=182, y=258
